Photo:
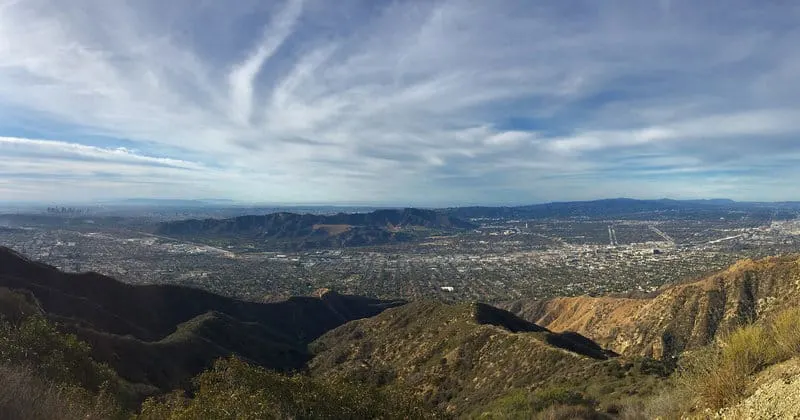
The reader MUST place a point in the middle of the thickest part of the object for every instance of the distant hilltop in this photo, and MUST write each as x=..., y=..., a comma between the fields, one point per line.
x=302, y=231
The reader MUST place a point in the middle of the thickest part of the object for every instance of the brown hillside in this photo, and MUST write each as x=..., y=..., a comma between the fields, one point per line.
x=464, y=358
x=681, y=317
x=332, y=229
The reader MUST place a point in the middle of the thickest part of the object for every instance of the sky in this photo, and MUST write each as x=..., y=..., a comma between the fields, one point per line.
x=399, y=102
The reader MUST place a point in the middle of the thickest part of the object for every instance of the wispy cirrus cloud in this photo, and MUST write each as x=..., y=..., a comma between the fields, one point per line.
x=32, y=148
x=422, y=102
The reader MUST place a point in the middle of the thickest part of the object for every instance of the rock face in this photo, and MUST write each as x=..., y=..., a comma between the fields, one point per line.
x=680, y=317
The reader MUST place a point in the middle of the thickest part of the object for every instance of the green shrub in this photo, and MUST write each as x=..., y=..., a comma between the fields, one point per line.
x=45, y=371
x=521, y=404
x=649, y=366
x=25, y=396
x=556, y=396
x=233, y=389
x=786, y=333
x=720, y=375
x=570, y=412
x=748, y=349
x=62, y=358
x=717, y=386
x=669, y=404
x=515, y=405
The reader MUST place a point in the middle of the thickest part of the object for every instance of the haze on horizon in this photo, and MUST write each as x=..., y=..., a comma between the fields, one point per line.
x=424, y=102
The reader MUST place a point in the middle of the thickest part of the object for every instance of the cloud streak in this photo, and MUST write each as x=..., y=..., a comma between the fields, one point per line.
x=241, y=79
x=447, y=102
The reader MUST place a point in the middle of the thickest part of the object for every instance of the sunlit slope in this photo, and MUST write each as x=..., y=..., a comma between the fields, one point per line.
x=681, y=316
x=464, y=358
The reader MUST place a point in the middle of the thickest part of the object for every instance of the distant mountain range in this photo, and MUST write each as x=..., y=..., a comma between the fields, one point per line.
x=632, y=208
x=295, y=231
x=304, y=231
x=367, y=227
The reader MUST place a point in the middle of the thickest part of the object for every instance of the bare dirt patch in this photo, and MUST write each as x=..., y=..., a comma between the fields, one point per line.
x=333, y=230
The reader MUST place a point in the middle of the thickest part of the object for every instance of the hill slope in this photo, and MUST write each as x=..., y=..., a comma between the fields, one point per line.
x=681, y=317
x=300, y=231
x=464, y=358
x=164, y=335
x=776, y=395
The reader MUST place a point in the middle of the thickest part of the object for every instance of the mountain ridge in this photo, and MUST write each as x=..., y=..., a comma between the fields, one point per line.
x=302, y=231
x=177, y=324
x=628, y=208
x=681, y=316
x=463, y=357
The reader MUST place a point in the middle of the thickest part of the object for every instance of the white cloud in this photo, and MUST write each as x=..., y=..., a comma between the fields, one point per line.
x=310, y=101
x=34, y=147
x=243, y=76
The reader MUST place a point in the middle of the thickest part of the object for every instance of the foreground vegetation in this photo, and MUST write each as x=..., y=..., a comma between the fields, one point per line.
x=421, y=360
x=46, y=374
x=721, y=375
x=233, y=389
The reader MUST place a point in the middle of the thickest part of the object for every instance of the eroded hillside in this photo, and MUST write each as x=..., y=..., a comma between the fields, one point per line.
x=681, y=316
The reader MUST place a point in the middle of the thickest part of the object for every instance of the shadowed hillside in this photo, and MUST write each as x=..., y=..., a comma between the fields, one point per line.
x=681, y=317
x=164, y=335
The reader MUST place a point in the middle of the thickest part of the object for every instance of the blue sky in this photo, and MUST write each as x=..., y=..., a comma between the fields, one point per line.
x=399, y=102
